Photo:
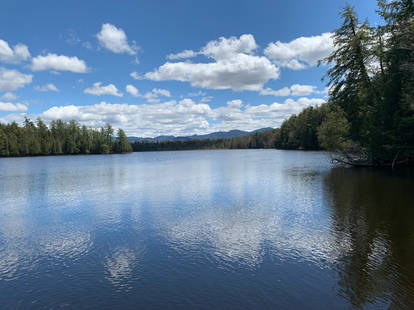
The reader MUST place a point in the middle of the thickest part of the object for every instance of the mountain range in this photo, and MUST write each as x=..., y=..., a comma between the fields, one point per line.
x=213, y=135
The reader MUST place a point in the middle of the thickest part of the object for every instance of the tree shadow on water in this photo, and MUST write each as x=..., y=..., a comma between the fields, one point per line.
x=373, y=228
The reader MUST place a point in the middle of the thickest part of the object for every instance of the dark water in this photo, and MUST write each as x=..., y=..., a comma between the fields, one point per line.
x=256, y=229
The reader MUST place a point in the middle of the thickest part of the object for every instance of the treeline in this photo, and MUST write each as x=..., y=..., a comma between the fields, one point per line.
x=35, y=138
x=258, y=140
x=370, y=121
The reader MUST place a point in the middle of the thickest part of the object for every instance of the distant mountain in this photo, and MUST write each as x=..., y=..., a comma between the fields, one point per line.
x=213, y=135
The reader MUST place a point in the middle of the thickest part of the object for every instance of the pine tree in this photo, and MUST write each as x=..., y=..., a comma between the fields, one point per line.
x=4, y=144
x=351, y=86
x=122, y=143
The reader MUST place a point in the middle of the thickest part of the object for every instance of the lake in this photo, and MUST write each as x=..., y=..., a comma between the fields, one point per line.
x=229, y=229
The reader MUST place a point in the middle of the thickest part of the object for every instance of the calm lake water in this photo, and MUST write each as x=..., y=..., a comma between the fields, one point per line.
x=242, y=229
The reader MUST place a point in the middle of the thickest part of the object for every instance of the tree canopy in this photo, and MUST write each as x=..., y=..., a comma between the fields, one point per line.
x=372, y=88
x=35, y=138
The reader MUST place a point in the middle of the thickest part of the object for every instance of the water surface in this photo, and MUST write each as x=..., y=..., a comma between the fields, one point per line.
x=241, y=229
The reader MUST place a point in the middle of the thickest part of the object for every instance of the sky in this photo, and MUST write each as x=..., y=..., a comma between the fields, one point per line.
x=162, y=67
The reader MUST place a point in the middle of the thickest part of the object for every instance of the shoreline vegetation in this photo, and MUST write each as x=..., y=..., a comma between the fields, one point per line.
x=60, y=138
x=367, y=121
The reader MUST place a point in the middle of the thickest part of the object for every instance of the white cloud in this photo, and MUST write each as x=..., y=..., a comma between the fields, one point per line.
x=99, y=90
x=144, y=120
x=58, y=63
x=241, y=72
x=234, y=67
x=12, y=79
x=206, y=99
x=237, y=103
x=152, y=96
x=162, y=92
x=294, y=90
x=181, y=118
x=115, y=40
x=247, y=117
x=224, y=48
x=9, y=96
x=17, y=54
x=302, y=90
x=301, y=52
x=182, y=55
x=132, y=90
x=283, y=92
x=47, y=87
x=136, y=76
x=12, y=107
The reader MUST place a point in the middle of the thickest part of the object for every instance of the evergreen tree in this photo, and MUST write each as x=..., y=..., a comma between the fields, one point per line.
x=4, y=144
x=122, y=143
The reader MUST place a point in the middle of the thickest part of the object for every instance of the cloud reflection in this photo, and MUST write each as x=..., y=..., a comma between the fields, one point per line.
x=119, y=266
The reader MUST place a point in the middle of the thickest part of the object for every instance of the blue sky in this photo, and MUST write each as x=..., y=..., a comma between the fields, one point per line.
x=166, y=67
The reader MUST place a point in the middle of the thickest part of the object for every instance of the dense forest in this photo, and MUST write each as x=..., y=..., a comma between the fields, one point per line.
x=33, y=139
x=259, y=140
x=370, y=121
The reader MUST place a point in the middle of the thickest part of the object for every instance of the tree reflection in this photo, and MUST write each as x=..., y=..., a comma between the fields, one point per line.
x=373, y=214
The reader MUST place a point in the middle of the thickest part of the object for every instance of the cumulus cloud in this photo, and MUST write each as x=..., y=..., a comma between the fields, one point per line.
x=12, y=79
x=247, y=117
x=99, y=90
x=46, y=87
x=181, y=118
x=283, y=92
x=9, y=96
x=146, y=120
x=302, y=90
x=182, y=55
x=301, y=52
x=15, y=54
x=206, y=99
x=59, y=63
x=132, y=90
x=162, y=92
x=135, y=75
x=115, y=40
x=151, y=96
x=242, y=72
x=237, y=103
x=224, y=48
x=234, y=66
x=12, y=107
x=294, y=90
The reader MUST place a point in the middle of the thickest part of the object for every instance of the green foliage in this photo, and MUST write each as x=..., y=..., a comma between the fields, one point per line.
x=333, y=133
x=264, y=139
x=377, y=101
x=4, y=144
x=301, y=131
x=33, y=139
x=122, y=145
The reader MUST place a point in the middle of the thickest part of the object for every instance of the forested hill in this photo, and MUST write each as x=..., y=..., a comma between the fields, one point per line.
x=59, y=138
x=213, y=135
